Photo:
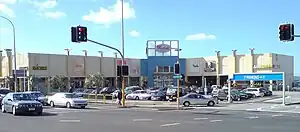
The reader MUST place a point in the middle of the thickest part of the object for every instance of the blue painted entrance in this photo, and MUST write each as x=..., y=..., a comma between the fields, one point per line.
x=258, y=76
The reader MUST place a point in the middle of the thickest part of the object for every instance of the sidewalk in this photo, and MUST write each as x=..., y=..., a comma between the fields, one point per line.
x=291, y=98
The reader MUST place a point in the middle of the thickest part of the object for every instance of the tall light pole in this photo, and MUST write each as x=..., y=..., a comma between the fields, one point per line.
x=67, y=66
x=15, y=51
x=122, y=34
x=116, y=68
x=100, y=65
x=84, y=61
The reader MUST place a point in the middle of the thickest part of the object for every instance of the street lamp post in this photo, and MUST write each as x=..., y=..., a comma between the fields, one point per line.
x=116, y=68
x=100, y=71
x=15, y=51
x=122, y=34
x=84, y=61
x=67, y=66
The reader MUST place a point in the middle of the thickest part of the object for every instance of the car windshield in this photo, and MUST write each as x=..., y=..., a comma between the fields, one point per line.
x=37, y=95
x=4, y=91
x=23, y=97
x=71, y=96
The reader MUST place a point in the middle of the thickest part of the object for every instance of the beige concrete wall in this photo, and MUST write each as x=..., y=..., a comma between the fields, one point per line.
x=22, y=61
x=280, y=62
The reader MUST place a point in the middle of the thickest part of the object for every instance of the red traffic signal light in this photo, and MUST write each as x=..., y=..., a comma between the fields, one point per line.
x=286, y=32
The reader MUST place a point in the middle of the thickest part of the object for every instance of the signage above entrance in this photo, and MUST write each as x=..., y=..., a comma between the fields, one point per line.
x=163, y=48
x=258, y=77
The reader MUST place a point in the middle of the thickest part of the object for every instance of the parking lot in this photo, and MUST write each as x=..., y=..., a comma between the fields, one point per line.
x=135, y=120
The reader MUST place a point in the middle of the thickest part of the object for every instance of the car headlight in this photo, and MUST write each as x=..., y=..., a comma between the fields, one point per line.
x=21, y=105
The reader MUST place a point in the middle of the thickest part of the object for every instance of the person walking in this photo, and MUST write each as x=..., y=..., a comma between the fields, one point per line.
x=119, y=98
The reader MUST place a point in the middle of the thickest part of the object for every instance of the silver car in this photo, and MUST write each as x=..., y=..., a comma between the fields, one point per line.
x=197, y=99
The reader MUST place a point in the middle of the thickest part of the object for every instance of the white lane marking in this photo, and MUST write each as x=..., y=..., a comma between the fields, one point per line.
x=252, y=117
x=171, y=124
x=200, y=118
x=277, y=115
x=215, y=120
x=142, y=119
x=69, y=121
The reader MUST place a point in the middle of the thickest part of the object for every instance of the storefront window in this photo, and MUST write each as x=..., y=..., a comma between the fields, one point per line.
x=160, y=69
x=166, y=68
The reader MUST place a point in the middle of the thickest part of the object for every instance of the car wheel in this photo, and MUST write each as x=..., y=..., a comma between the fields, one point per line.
x=211, y=103
x=137, y=98
x=52, y=104
x=14, y=111
x=3, y=109
x=68, y=105
x=39, y=113
x=186, y=104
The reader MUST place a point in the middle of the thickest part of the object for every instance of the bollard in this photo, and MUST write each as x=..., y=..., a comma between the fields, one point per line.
x=104, y=98
x=112, y=99
x=96, y=97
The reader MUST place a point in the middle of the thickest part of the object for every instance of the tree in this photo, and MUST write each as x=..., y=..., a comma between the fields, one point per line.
x=94, y=80
x=59, y=82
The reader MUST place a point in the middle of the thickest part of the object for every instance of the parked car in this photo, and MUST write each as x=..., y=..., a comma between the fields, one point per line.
x=295, y=89
x=131, y=89
x=139, y=94
x=108, y=90
x=250, y=95
x=223, y=95
x=171, y=93
x=68, y=100
x=21, y=102
x=240, y=95
x=197, y=99
x=267, y=92
x=3, y=92
x=159, y=96
x=256, y=91
x=39, y=96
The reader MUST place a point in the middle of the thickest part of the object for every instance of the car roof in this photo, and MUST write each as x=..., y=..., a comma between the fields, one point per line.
x=32, y=92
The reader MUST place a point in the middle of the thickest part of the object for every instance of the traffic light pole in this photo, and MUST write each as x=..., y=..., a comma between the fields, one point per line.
x=296, y=35
x=123, y=83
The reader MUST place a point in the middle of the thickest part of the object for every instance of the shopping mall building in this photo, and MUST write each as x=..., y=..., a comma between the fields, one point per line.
x=155, y=70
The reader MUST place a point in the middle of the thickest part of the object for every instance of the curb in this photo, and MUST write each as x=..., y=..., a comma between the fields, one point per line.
x=293, y=112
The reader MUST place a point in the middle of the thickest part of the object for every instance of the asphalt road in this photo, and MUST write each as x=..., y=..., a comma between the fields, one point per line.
x=147, y=120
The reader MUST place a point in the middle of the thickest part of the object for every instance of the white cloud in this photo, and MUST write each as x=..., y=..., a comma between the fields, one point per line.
x=54, y=15
x=200, y=36
x=134, y=33
x=8, y=1
x=44, y=5
x=6, y=10
x=110, y=15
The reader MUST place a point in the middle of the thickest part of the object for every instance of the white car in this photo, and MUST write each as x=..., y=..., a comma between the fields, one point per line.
x=68, y=100
x=139, y=94
x=257, y=92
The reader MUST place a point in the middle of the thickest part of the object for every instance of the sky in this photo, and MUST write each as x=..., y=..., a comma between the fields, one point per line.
x=201, y=26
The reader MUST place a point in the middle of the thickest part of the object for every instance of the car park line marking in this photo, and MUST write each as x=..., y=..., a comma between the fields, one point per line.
x=142, y=120
x=171, y=124
x=277, y=115
x=200, y=118
x=252, y=117
x=69, y=121
x=215, y=120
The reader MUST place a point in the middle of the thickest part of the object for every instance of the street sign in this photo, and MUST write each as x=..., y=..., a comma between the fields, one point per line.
x=177, y=76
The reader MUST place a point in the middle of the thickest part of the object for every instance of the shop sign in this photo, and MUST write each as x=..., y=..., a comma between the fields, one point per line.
x=39, y=67
x=163, y=48
x=267, y=66
x=210, y=66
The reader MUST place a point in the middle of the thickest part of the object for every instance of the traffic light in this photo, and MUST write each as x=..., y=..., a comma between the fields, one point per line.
x=286, y=32
x=176, y=67
x=125, y=70
x=182, y=77
x=74, y=34
x=119, y=71
x=82, y=34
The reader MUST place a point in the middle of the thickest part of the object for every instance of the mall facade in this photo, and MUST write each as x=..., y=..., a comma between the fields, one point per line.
x=156, y=70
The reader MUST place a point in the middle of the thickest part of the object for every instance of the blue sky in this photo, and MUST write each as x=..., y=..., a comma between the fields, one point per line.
x=44, y=25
